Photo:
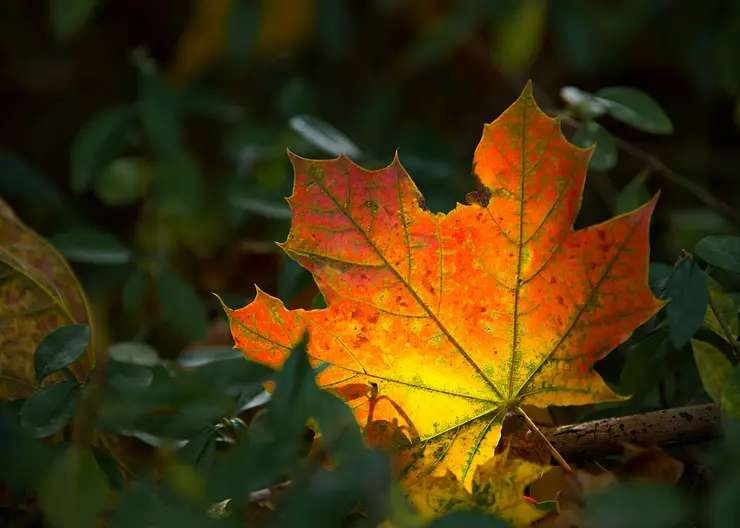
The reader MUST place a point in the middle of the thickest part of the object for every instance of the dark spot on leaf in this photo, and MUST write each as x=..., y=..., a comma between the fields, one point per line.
x=423, y=204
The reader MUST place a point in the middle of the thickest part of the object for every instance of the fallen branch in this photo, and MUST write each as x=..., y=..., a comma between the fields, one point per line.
x=684, y=425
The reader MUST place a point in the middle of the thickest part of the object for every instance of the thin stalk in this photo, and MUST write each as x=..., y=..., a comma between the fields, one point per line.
x=536, y=431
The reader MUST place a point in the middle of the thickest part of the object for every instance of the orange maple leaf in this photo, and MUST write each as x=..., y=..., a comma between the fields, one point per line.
x=437, y=325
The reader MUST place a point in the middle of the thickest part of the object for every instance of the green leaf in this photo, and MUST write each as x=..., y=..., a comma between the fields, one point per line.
x=687, y=289
x=727, y=311
x=605, y=156
x=645, y=363
x=21, y=182
x=634, y=194
x=123, y=181
x=91, y=246
x=200, y=451
x=267, y=203
x=110, y=469
x=160, y=113
x=658, y=275
x=60, y=348
x=128, y=376
x=67, y=17
x=23, y=459
x=181, y=305
x=721, y=251
x=178, y=186
x=134, y=290
x=144, y=504
x=468, y=520
x=649, y=506
x=324, y=136
x=715, y=369
x=73, y=492
x=197, y=357
x=636, y=108
x=171, y=406
x=731, y=397
x=50, y=409
x=292, y=279
x=99, y=140
x=520, y=35
x=235, y=376
x=135, y=353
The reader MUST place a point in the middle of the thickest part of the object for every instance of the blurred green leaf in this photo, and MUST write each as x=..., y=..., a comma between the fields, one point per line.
x=441, y=37
x=324, y=136
x=197, y=101
x=124, y=376
x=605, y=156
x=234, y=376
x=645, y=363
x=178, y=186
x=634, y=194
x=67, y=17
x=21, y=182
x=200, y=451
x=181, y=305
x=636, y=109
x=73, y=491
x=650, y=506
x=727, y=311
x=134, y=353
x=91, y=246
x=134, y=290
x=658, y=275
x=687, y=287
x=468, y=520
x=159, y=111
x=582, y=104
x=715, y=369
x=723, y=508
x=23, y=459
x=731, y=397
x=123, y=182
x=50, y=409
x=201, y=356
x=293, y=279
x=721, y=251
x=171, y=406
x=99, y=140
x=268, y=203
x=520, y=35
x=110, y=469
x=318, y=302
x=144, y=504
x=59, y=348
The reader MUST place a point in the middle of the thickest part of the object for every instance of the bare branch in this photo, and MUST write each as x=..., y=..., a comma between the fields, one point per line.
x=684, y=425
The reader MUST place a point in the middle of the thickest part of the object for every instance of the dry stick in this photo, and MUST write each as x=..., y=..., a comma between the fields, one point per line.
x=543, y=438
x=684, y=425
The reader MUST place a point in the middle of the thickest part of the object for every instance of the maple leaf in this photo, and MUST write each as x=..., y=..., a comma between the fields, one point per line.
x=497, y=488
x=437, y=325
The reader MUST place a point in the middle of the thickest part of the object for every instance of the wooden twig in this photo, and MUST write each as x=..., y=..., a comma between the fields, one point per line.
x=684, y=425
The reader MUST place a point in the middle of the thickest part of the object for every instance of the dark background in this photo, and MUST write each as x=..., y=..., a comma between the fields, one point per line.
x=184, y=196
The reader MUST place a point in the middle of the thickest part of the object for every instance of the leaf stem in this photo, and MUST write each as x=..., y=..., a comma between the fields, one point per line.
x=539, y=434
